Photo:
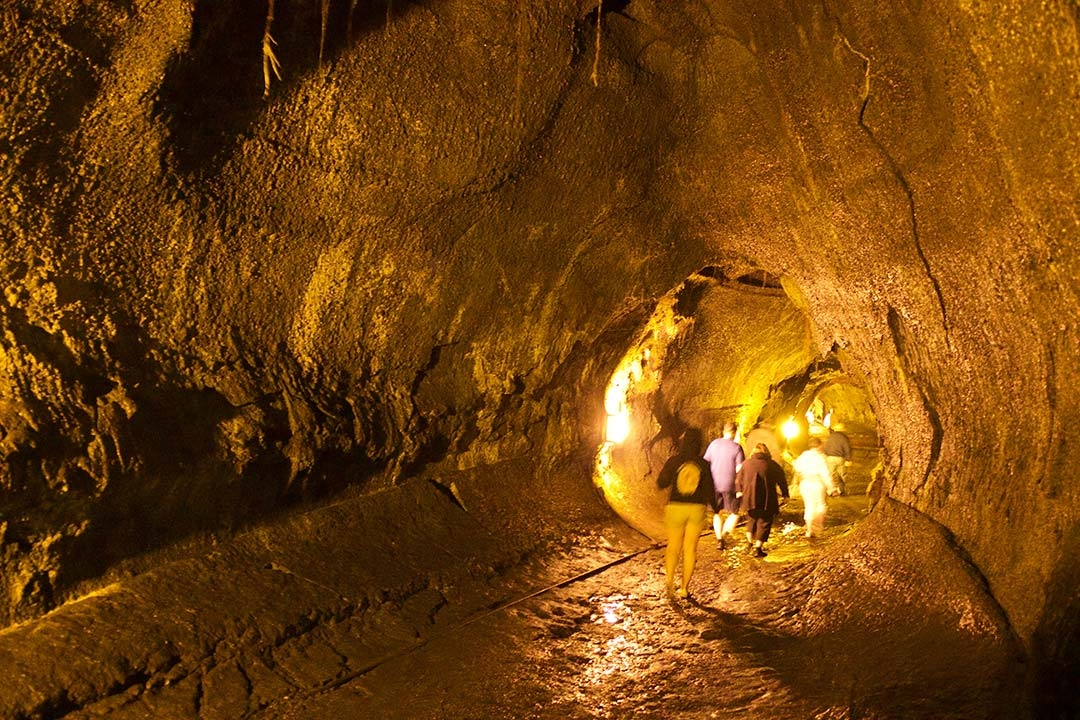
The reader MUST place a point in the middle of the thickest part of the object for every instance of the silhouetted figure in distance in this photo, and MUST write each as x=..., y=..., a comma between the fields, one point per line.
x=765, y=432
x=837, y=449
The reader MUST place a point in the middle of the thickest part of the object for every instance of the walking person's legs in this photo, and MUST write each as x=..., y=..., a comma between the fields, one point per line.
x=726, y=516
x=675, y=524
x=694, y=525
x=836, y=470
x=730, y=522
x=814, y=507
x=762, y=528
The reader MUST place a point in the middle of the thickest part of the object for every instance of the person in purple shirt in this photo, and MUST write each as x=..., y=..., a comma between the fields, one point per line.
x=725, y=456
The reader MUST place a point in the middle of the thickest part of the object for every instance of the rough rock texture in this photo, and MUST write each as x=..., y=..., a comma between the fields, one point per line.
x=865, y=602
x=426, y=248
x=706, y=356
x=287, y=608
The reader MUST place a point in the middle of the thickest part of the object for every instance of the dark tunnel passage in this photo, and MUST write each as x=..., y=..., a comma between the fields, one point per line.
x=718, y=350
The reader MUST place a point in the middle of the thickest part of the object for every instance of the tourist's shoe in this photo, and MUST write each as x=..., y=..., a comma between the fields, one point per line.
x=720, y=544
x=683, y=593
x=758, y=552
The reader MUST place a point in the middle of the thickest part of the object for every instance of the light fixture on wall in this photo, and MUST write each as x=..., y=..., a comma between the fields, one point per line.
x=790, y=429
x=617, y=428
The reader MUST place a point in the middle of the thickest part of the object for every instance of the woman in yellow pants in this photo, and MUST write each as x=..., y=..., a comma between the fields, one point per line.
x=690, y=498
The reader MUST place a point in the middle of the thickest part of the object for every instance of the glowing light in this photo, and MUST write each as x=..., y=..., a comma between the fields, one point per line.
x=790, y=429
x=612, y=611
x=618, y=426
x=827, y=422
x=636, y=378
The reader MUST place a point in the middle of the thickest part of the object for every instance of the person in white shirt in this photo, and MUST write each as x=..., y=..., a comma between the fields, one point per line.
x=815, y=485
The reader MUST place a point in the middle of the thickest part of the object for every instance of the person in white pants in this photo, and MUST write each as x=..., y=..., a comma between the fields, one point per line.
x=815, y=485
x=725, y=456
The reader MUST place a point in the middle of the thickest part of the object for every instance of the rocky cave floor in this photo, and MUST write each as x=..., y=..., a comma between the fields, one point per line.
x=588, y=633
x=613, y=645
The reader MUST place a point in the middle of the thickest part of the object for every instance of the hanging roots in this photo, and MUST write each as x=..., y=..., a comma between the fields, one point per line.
x=324, y=16
x=270, y=61
x=348, y=21
x=596, y=58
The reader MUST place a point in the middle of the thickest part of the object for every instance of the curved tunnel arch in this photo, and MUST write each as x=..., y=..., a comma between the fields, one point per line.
x=714, y=350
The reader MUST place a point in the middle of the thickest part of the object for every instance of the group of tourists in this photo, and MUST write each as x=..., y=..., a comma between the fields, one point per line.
x=732, y=485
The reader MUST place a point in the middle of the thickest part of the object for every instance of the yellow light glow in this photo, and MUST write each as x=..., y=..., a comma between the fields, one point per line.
x=618, y=426
x=615, y=397
x=790, y=429
x=606, y=479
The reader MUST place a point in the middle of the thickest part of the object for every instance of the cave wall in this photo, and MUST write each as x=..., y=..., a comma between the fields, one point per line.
x=240, y=302
x=907, y=171
x=930, y=168
x=430, y=247
x=743, y=341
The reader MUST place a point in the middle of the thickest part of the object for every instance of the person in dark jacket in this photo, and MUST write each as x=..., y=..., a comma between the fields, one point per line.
x=761, y=483
x=837, y=449
x=691, y=496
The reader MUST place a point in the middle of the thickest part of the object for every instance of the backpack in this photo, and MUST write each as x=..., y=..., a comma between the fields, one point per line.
x=688, y=477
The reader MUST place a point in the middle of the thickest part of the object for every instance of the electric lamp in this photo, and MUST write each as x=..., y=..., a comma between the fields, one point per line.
x=790, y=429
x=618, y=427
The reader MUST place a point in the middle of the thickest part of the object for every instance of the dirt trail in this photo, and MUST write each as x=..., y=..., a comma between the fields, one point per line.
x=589, y=632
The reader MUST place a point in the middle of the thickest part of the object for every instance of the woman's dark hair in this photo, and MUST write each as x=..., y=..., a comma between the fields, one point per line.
x=691, y=442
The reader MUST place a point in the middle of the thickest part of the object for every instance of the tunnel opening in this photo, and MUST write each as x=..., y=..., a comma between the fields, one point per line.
x=717, y=349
